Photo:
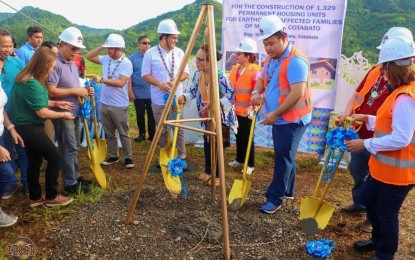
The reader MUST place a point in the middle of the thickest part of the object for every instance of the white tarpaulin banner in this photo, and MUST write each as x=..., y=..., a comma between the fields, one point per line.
x=315, y=27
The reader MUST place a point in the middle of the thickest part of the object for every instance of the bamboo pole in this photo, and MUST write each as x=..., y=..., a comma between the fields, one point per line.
x=219, y=141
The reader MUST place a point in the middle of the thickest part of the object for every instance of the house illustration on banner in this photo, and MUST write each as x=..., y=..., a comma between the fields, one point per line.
x=322, y=74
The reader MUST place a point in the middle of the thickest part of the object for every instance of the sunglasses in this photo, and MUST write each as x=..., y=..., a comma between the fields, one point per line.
x=145, y=43
x=199, y=59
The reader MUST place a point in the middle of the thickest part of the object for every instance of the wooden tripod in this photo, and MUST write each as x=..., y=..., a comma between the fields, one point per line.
x=215, y=126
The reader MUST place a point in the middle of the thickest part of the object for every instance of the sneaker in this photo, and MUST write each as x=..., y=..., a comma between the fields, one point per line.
x=128, y=163
x=269, y=208
x=8, y=192
x=7, y=220
x=234, y=163
x=249, y=170
x=140, y=138
x=59, y=201
x=77, y=189
x=353, y=209
x=35, y=203
x=25, y=188
x=83, y=181
x=366, y=226
x=110, y=161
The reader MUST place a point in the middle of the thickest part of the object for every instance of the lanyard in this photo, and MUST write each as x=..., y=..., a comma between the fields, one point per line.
x=171, y=73
x=110, y=75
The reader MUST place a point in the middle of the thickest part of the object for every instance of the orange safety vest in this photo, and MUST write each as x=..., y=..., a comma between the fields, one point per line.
x=393, y=167
x=371, y=79
x=243, y=86
x=304, y=105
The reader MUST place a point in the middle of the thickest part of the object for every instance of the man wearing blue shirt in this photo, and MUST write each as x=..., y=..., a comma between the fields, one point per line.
x=288, y=106
x=34, y=40
x=139, y=92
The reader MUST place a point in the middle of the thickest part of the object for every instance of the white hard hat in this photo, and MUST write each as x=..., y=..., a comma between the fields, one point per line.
x=269, y=25
x=114, y=41
x=247, y=45
x=167, y=26
x=396, y=32
x=397, y=49
x=73, y=36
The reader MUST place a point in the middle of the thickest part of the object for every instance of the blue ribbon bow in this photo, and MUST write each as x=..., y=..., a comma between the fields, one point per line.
x=320, y=248
x=176, y=167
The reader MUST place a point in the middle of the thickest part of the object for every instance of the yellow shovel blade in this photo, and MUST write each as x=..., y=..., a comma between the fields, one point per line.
x=238, y=194
x=173, y=184
x=100, y=150
x=314, y=215
x=99, y=175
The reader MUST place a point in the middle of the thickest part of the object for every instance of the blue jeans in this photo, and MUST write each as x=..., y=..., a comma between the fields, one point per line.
x=6, y=172
x=71, y=135
x=383, y=202
x=286, y=141
x=22, y=158
x=359, y=169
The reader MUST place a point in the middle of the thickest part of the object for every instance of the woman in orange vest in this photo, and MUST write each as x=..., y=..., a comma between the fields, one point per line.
x=243, y=77
x=392, y=161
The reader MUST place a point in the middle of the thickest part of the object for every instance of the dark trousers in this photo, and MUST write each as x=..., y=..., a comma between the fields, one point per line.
x=286, y=141
x=383, y=202
x=359, y=169
x=141, y=106
x=208, y=161
x=242, y=141
x=38, y=146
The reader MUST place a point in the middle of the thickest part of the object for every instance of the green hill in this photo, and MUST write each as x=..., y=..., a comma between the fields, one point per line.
x=365, y=24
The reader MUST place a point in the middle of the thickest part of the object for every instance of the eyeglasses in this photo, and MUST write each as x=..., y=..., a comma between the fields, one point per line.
x=73, y=48
x=145, y=43
x=199, y=59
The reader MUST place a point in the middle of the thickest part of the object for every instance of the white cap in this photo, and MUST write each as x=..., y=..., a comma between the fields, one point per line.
x=247, y=45
x=397, y=49
x=73, y=36
x=269, y=25
x=396, y=32
x=114, y=41
x=167, y=26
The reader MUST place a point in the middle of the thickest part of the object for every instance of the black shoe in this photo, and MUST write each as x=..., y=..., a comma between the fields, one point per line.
x=150, y=138
x=353, y=209
x=140, y=138
x=364, y=246
x=76, y=189
x=110, y=161
x=128, y=163
x=83, y=181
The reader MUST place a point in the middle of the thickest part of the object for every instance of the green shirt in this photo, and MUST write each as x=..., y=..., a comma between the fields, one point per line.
x=27, y=98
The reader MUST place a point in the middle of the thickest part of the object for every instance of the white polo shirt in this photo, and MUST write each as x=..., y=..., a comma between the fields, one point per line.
x=153, y=65
x=115, y=96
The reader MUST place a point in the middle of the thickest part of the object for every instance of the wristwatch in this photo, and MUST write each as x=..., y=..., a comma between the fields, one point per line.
x=102, y=80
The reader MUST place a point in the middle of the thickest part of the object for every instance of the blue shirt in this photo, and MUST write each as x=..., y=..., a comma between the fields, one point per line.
x=297, y=71
x=25, y=52
x=141, y=88
x=11, y=68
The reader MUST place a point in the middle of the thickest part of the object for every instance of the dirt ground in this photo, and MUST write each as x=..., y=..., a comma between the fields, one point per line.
x=163, y=227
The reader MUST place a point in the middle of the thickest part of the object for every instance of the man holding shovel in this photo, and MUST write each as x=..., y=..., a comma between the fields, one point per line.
x=116, y=70
x=288, y=104
x=160, y=67
x=63, y=84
